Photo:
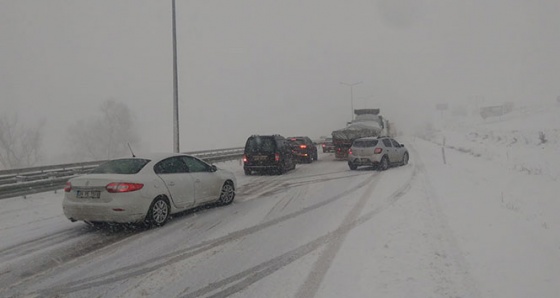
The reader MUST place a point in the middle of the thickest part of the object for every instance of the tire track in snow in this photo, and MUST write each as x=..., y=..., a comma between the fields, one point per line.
x=153, y=264
x=38, y=266
x=254, y=274
x=316, y=275
x=263, y=188
x=321, y=266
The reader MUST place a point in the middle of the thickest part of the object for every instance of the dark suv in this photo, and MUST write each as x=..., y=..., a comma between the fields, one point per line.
x=304, y=149
x=268, y=154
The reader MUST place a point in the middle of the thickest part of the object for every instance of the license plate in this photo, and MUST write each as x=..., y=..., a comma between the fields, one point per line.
x=88, y=194
x=260, y=157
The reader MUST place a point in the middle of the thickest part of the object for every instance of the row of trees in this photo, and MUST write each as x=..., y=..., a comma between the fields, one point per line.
x=104, y=137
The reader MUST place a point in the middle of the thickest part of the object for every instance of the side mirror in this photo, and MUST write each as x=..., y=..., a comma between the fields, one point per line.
x=214, y=168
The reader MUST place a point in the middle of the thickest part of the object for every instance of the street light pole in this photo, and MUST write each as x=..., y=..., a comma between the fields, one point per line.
x=351, y=97
x=175, y=85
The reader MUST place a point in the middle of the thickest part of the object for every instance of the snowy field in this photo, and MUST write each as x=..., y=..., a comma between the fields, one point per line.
x=483, y=224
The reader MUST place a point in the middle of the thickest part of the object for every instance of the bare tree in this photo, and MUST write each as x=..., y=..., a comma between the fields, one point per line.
x=20, y=146
x=106, y=137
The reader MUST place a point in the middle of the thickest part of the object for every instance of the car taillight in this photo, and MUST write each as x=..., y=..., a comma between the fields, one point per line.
x=349, y=151
x=324, y=145
x=377, y=150
x=276, y=157
x=244, y=158
x=68, y=187
x=123, y=187
x=302, y=146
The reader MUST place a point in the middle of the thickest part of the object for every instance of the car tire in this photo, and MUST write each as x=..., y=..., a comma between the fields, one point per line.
x=227, y=194
x=315, y=156
x=405, y=159
x=352, y=166
x=384, y=163
x=158, y=213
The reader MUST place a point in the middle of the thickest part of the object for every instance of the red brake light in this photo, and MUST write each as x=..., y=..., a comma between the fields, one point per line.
x=244, y=158
x=302, y=146
x=377, y=150
x=123, y=187
x=68, y=187
x=324, y=145
x=349, y=151
x=276, y=157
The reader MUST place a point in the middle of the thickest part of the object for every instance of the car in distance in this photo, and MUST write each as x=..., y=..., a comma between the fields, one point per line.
x=304, y=149
x=271, y=154
x=328, y=145
x=379, y=152
x=146, y=189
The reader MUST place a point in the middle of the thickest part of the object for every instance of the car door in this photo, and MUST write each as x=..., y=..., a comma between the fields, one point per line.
x=179, y=182
x=399, y=150
x=390, y=150
x=207, y=185
x=284, y=148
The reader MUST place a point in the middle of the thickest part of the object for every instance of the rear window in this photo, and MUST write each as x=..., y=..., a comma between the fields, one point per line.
x=365, y=143
x=121, y=166
x=260, y=144
x=297, y=141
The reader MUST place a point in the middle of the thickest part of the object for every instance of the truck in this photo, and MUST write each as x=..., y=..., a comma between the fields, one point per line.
x=367, y=123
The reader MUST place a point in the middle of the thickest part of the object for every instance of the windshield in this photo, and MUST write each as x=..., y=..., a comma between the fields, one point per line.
x=121, y=166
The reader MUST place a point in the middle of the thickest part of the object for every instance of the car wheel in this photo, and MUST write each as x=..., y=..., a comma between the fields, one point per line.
x=405, y=159
x=281, y=169
x=352, y=166
x=315, y=156
x=227, y=195
x=384, y=164
x=158, y=214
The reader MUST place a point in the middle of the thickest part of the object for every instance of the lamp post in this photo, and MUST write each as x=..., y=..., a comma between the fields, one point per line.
x=351, y=97
x=175, y=85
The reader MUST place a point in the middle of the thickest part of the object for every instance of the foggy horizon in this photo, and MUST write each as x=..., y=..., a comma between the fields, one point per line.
x=262, y=67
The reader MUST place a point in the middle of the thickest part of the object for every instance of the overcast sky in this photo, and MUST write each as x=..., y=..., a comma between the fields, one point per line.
x=268, y=66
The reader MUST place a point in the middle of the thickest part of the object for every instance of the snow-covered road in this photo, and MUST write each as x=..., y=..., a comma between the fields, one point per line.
x=427, y=229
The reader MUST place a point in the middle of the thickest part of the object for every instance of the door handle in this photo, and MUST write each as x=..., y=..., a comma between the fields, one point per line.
x=171, y=183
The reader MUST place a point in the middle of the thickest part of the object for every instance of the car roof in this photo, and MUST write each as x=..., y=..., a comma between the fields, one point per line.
x=154, y=156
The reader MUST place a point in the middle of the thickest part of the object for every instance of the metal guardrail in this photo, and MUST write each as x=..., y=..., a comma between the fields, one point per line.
x=26, y=181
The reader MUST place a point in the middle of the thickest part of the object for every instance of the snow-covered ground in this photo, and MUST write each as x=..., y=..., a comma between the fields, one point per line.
x=482, y=224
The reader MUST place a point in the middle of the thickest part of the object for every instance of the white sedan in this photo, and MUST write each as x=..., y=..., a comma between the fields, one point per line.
x=146, y=189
